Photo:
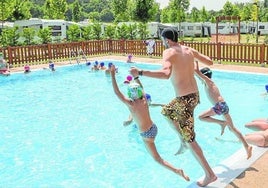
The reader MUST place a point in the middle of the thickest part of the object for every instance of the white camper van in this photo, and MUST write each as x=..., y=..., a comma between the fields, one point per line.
x=197, y=29
x=58, y=27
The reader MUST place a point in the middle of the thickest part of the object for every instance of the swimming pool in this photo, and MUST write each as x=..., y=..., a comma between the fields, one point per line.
x=64, y=129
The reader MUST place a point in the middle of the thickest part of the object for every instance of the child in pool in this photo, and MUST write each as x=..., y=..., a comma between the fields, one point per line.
x=128, y=80
x=220, y=107
x=139, y=109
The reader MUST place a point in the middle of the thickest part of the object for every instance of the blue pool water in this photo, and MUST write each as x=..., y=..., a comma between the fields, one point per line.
x=64, y=129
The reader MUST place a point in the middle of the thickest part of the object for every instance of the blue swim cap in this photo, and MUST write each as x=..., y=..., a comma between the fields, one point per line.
x=110, y=64
x=102, y=64
x=135, y=91
x=88, y=63
x=51, y=65
x=266, y=87
x=148, y=97
x=96, y=62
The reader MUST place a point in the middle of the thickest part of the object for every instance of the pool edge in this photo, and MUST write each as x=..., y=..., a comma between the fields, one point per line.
x=232, y=167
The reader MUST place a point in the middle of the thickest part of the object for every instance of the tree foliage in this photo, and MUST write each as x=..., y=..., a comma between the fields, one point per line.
x=28, y=34
x=10, y=36
x=76, y=11
x=6, y=9
x=119, y=8
x=55, y=9
x=45, y=35
x=141, y=11
x=113, y=12
x=125, y=10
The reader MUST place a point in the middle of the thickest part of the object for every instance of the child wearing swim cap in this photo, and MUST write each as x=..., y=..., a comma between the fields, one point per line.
x=135, y=91
x=219, y=107
x=27, y=69
x=51, y=65
x=128, y=79
x=102, y=66
x=96, y=66
x=139, y=109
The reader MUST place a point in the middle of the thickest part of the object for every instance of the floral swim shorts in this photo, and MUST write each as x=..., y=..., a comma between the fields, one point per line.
x=181, y=110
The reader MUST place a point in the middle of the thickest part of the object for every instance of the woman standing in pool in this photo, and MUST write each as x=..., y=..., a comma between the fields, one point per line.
x=139, y=109
x=220, y=107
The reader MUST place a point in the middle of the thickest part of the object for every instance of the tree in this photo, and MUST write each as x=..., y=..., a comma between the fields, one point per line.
x=245, y=13
x=21, y=10
x=141, y=11
x=142, y=30
x=182, y=6
x=36, y=11
x=73, y=33
x=178, y=9
x=164, y=17
x=175, y=12
x=122, y=31
x=106, y=16
x=92, y=31
x=6, y=7
x=28, y=34
x=254, y=11
x=96, y=31
x=119, y=8
x=228, y=9
x=94, y=16
x=195, y=15
x=76, y=11
x=10, y=36
x=265, y=3
x=110, y=32
x=86, y=32
x=45, y=35
x=48, y=9
x=55, y=9
x=155, y=12
x=204, y=14
x=132, y=31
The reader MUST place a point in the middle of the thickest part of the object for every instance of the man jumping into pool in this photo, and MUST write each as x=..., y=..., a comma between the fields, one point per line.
x=138, y=106
x=220, y=107
x=178, y=65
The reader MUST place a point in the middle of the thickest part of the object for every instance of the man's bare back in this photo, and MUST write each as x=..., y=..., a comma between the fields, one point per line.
x=182, y=74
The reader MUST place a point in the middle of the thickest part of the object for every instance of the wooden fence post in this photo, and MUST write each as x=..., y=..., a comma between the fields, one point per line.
x=219, y=52
x=49, y=51
x=10, y=57
x=262, y=54
x=110, y=44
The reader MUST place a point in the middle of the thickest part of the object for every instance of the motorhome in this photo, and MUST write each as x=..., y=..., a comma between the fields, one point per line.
x=224, y=28
x=262, y=28
x=155, y=28
x=58, y=27
x=197, y=29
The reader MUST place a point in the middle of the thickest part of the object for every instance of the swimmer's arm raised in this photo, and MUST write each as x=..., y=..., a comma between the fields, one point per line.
x=118, y=93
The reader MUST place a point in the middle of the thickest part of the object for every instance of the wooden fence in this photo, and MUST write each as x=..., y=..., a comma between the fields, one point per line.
x=38, y=54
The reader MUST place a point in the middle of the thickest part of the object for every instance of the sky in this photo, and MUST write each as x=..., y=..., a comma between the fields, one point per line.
x=209, y=4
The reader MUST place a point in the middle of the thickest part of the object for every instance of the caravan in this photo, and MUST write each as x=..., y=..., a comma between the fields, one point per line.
x=197, y=29
x=262, y=28
x=58, y=27
x=155, y=29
